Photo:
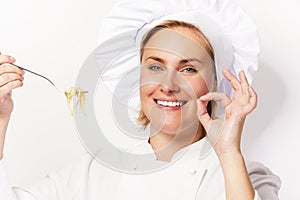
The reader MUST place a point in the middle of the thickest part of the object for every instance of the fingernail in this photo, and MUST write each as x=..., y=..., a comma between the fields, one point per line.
x=12, y=58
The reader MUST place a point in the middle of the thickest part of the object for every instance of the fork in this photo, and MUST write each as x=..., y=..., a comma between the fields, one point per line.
x=44, y=78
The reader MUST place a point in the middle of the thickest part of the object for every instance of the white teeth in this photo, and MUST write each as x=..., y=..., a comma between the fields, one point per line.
x=170, y=103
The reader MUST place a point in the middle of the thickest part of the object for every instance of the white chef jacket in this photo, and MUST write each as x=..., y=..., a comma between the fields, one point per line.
x=189, y=178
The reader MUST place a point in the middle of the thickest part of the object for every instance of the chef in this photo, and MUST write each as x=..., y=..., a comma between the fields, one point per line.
x=195, y=61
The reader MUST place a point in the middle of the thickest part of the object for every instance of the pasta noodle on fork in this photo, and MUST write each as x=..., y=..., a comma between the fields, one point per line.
x=80, y=94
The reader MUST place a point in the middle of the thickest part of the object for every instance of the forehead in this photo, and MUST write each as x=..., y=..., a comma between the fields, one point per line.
x=182, y=42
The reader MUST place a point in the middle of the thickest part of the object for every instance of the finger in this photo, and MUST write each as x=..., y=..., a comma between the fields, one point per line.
x=6, y=89
x=202, y=114
x=243, y=78
x=7, y=59
x=9, y=77
x=217, y=96
x=252, y=101
x=235, y=83
x=253, y=97
x=8, y=68
x=244, y=98
x=244, y=84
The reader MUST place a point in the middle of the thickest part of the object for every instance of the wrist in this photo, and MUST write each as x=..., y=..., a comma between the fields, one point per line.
x=228, y=150
x=232, y=155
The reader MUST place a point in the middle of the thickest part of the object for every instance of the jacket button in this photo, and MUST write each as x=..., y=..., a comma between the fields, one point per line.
x=192, y=171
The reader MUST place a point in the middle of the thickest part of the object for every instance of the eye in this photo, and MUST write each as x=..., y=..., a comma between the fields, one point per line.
x=155, y=68
x=189, y=70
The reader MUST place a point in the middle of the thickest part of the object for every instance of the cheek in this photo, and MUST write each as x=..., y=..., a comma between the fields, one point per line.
x=203, y=89
x=145, y=94
x=197, y=87
x=209, y=78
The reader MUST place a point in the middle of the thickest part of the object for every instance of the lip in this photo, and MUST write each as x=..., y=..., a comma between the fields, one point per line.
x=171, y=108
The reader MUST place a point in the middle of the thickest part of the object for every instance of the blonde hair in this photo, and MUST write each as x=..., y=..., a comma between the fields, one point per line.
x=142, y=119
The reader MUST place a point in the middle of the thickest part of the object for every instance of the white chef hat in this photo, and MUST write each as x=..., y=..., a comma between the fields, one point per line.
x=232, y=34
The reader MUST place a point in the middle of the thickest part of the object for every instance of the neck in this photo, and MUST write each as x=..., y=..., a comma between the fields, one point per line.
x=165, y=145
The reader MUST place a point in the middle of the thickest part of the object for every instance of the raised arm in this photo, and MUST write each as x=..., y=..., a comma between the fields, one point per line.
x=54, y=186
x=225, y=134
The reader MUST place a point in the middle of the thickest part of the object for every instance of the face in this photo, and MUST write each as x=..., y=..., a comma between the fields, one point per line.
x=175, y=71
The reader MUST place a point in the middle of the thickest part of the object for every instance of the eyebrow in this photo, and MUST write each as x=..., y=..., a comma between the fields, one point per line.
x=190, y=60
x=156, y=59
x=181, y=62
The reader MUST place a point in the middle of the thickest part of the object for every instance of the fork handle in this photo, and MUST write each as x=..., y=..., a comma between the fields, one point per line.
x=33, y=73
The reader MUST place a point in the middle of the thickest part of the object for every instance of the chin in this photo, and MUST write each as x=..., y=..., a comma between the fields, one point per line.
x=171, y=128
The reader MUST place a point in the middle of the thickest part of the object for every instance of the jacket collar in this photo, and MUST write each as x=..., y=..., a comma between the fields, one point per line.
x=199, y=150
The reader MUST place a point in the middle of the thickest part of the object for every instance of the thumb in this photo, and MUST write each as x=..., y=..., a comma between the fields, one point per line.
x=7, y=96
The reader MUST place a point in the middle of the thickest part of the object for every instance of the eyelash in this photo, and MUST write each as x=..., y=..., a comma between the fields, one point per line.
x=157, y=68
x=190, y=68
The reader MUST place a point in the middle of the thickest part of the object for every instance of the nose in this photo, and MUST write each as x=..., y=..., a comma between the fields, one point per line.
x=169, y=90
x=170, y=84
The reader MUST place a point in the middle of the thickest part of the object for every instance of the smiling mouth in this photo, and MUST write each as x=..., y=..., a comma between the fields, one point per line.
x=166, y=103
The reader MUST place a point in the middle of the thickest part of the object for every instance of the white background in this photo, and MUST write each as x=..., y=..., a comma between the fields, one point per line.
x=54, y=37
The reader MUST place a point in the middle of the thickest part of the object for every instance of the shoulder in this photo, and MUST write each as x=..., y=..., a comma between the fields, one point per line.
x=264, y=181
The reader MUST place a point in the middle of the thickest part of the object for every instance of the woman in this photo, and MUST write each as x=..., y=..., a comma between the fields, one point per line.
x=178, y=81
